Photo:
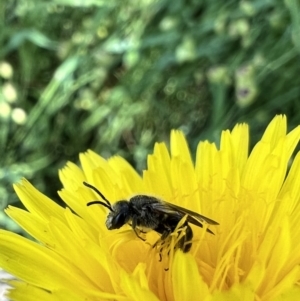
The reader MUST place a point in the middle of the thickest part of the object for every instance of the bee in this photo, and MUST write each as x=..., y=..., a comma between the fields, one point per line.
x=151, y=213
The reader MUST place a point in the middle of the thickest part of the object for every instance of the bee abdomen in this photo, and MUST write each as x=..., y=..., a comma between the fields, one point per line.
x=185, y=243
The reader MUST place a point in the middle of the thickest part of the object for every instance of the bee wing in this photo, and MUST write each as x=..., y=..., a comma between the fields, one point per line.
x=194, y=214
x=192, y=217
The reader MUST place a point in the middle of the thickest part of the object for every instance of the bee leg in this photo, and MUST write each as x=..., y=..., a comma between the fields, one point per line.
x=160, y=251
x=157, y=242
x=166, y=233
x=143, y=239
x=142, y=231
x=163, y=237
x=133, y=225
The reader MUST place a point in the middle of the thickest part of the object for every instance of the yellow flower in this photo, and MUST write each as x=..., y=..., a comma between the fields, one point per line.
x=254, y=254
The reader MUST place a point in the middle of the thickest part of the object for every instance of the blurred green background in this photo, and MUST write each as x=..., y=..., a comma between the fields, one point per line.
x=116, y=76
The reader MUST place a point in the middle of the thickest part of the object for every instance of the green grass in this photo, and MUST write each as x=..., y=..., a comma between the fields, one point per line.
x=116, y=76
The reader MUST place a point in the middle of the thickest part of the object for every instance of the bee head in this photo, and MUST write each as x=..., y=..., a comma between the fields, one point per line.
x=119, y=215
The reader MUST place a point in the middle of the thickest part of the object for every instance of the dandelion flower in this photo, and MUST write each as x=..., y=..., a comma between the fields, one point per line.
x=254, y=254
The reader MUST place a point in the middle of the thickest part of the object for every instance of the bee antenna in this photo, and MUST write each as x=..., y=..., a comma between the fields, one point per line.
x=99, y=202
x=107, y=204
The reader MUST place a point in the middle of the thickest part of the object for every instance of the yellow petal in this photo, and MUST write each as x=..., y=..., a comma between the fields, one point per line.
x=36, y=202
x=36, y=264
x=135, y=288
x=186, y=281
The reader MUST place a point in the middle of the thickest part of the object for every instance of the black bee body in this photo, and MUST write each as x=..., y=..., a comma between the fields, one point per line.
x=144, y=212
x=149, y=213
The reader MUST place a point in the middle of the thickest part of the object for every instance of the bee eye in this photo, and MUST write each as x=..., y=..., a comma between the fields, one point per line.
x=116, y=221
x=119, y=220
